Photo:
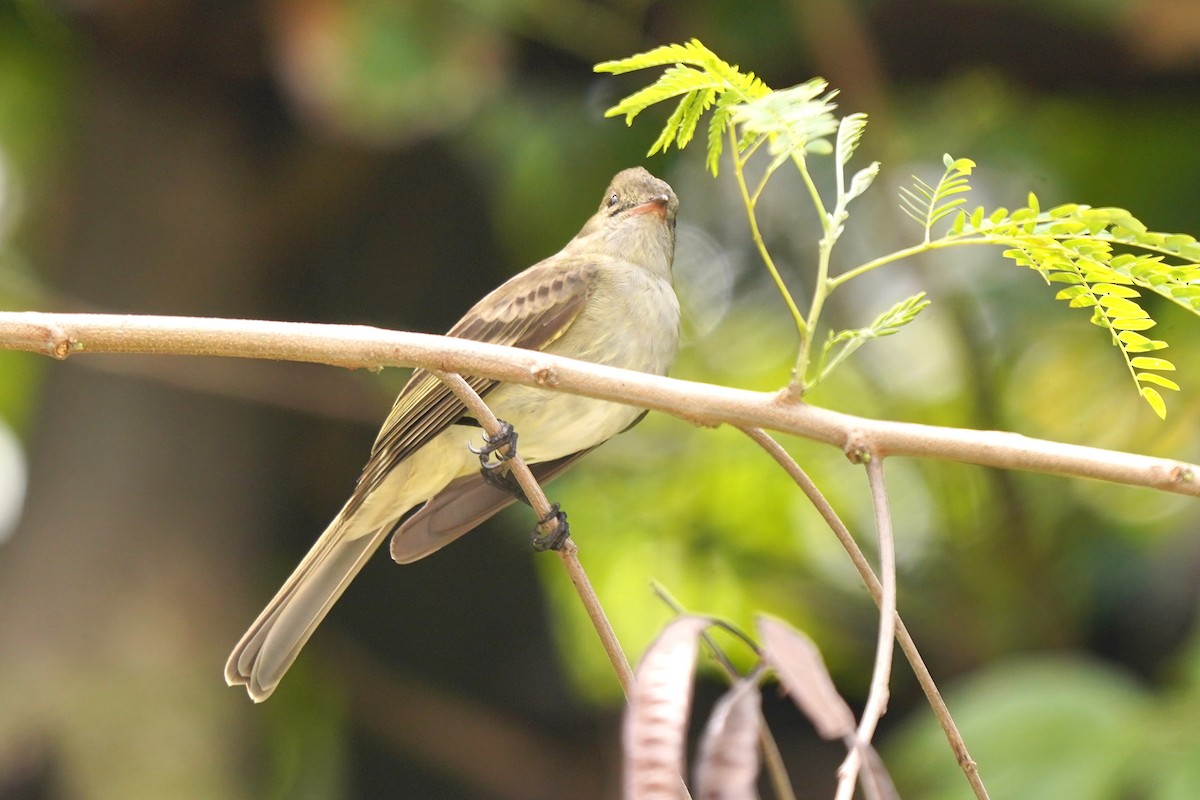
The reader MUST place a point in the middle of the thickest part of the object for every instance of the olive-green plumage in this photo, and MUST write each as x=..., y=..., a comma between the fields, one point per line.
x=606, y=297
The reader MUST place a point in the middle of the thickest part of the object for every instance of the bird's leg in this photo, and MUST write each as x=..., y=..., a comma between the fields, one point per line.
x=504, y=480
x=552, y=531
x=503, y=446
x=496, y=473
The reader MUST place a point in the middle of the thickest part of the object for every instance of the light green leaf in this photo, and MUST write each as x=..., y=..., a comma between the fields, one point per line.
x=1115, y=290
x=1148, y=362
x=977, y=218
x=1071, y=292
x=1136, y=343
x=1132, y=323
x=963, y=165
x=1156, y=401
x=959, y=224
x=1150, y=377
x=850, y=131
x=1133, y=339
x=862, y=180
x=1119, y=307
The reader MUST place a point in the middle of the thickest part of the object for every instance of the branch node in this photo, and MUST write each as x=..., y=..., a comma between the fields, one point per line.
x=858, y=447
x=791, y=394
x=545, y=376
x=63, y=346
x=56, y=341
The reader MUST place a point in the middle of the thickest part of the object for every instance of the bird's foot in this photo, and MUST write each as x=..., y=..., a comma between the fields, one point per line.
x=552, y=531
x=503, y=446
x=504, y=480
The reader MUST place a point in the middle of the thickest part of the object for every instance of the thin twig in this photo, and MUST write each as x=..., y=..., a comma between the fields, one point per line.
x=881, y=675
x=62, y=335
x=924, y=678
x=569, y=552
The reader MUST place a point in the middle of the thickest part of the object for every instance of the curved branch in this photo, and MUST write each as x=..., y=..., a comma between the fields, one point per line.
x=940, y=711
x=569, y=552
x=63, y=335
x=881, y=675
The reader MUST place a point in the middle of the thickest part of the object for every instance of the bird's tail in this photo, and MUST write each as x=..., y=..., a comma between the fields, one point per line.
x=274, y=640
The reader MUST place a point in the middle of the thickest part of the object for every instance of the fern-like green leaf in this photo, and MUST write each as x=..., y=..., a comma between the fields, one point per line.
x=841, y=345
x=697, y=104
x=850, y=131
x=849, y=134
x=928, y=204
x=681, y=125
x=702, y=78
x=1085, y=264
x=692, y=52
x=797, y=120
x=722, y=117
x=674, y=81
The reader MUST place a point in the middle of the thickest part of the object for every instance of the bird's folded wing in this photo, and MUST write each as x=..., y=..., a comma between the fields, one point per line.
x=530, y=311
x=466, y=503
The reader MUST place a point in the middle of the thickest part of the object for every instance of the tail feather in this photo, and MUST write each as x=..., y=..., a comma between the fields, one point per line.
x=272, y=643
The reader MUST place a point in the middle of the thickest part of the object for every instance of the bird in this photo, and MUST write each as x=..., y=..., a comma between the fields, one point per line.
x=606, y=297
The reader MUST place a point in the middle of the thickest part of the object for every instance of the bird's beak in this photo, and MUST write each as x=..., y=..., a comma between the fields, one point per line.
x=655, y=205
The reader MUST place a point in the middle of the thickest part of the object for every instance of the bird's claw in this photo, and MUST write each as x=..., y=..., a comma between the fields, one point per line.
x=552, y=531
x=503, y=446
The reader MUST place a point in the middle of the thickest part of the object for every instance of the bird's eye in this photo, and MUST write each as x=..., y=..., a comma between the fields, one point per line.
x=613, y=200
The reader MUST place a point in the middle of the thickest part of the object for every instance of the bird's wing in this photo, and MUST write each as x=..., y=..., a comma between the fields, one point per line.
x=466, y=503
x=530, y=310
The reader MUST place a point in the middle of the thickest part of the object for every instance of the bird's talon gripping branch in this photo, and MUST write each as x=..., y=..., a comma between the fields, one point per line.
x=503, y=446
x=552, y=531
x=504, y=480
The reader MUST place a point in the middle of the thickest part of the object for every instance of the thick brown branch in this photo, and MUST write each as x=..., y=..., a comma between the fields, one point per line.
x=62, y=335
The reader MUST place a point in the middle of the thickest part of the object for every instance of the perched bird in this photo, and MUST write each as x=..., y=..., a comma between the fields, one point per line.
x=606, y=297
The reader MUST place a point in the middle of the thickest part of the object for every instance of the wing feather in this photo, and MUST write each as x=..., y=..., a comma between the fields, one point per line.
x=530, y=310
x=466, y=503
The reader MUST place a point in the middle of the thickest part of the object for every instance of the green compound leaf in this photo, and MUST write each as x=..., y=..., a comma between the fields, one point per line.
x=928, y=204
x=795, y=120
x=841, y=345
x=1107, y=259
x=702, y=80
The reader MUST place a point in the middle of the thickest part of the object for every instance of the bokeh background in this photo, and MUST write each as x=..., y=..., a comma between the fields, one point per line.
x=386, y=162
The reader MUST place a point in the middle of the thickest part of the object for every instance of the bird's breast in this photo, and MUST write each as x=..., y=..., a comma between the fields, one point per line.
x=631, y=320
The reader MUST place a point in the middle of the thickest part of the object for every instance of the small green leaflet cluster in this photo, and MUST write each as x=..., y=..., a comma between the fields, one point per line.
x=928, y=204
x=793, y=121
x=839, y=346
x=1105, y=256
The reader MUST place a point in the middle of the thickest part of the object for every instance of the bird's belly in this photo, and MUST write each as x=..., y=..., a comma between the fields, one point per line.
x=551, y=425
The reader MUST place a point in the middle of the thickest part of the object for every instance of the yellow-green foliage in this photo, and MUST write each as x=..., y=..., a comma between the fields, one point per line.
x=1106, y=256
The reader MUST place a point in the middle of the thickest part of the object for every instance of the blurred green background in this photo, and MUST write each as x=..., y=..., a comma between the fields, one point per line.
x=386, y=163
